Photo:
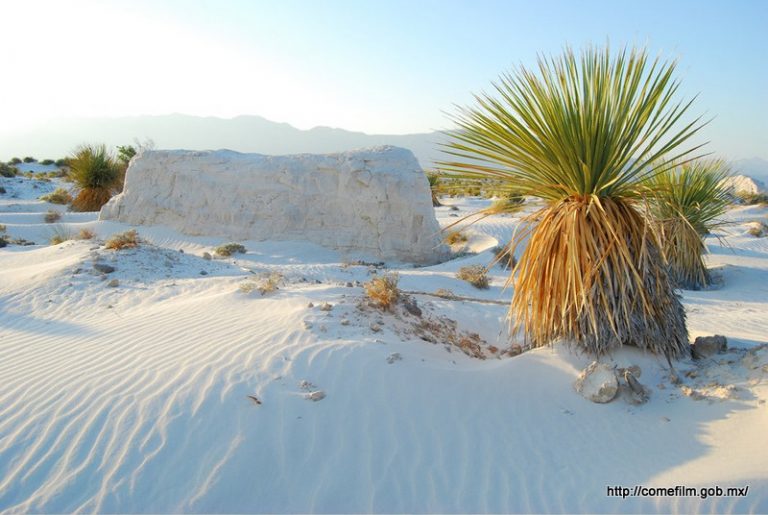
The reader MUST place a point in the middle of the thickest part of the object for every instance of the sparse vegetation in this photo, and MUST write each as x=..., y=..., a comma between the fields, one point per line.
x=58, y=196
x=61, y=163
x=52, y=216
x=60, y=235
x=123, y=240
x=581, y=132
x=686, y=203
x=752, y=199
x=30, y=159
x=47, y=162
x=228, y=249
x=85, y=234
x=476, y=275
x=97, y=175
x=8, y=171
x=15, y=161
x=455, y=238
x=265, y=284
x=758, y=229
x=382, y=291
x=508, y=202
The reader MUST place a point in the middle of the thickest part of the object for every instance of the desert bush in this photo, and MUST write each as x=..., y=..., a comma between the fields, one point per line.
x=265, y=284
x=30, y=159
x=52, y=216
x=2, y=190
x=581, y=132
x=85, y=234
x=476, y=275
x=62, y=162
x=15, y=161
x=97, y=175
x=47, y=162
x=58, y=196
x=686, y=202
x=8, y=171
x=382, y=291
x=455, y=238
x=123, y=240
x=228, y=249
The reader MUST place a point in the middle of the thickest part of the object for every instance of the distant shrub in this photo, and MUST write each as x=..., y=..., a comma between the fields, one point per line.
x=383, y=291
x=455, y=238
x=58, y=196
x=15, y=161
x=2, y=190
x=476, y=275
x=97, y=174
x=504, y=257
x=62, y=162
x=267, y=283
x=52, y=216
x=123, y=240
x=47, y=162
x=228, y=249
x=753, y=198
x=85, y=234
x=508, y=202
x=8, y=170
x=30, y=159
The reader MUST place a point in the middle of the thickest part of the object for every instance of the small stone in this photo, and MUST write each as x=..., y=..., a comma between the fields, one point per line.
x=597, y=383
x=454, y=208
x=325, y=306
x=315, y=396
x=203, y=272
x=181, y=251
x=104, y=268
x=705, y=346
x=349, y=284
x=310, y=305
x=637, y=393
x=375, y=327
x=395, y=356
x=307, y=324
x=207, y=256
x=344, y=321
x=114, y=283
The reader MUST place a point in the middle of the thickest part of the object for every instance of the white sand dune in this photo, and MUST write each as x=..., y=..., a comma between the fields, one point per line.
x=135, y=398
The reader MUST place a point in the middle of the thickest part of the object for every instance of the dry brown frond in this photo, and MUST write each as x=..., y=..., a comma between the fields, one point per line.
x=91, y=199
x=383, y=290
x=124, y=240
x=594, y=276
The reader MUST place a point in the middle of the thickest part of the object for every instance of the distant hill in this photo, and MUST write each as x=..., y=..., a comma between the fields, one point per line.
x=243, y=134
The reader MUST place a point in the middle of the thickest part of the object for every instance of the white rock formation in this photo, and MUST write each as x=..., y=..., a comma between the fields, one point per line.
x=737, y=184
x=374, y=202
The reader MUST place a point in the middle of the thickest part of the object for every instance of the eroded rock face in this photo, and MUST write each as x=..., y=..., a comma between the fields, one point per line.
x=597, y=383
x=374, y=202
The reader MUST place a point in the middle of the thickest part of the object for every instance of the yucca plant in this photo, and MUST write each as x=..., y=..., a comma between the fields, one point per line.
x=97, y=175
x=687, y=201
x=434, y=184
x=582, y=134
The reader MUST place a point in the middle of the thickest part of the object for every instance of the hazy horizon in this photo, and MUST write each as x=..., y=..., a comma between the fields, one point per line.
x=394, y=67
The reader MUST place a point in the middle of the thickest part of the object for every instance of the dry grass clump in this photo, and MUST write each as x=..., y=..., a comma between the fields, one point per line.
x=476, y=275
x=582, y=132
x=85, y=234
x=52, y=217
x=455, y=238
x=267, y=283
x=383, y=291
x=123, y=240
x=757, y=229
x=228, y=249
x=60, y=235
x=58, y=196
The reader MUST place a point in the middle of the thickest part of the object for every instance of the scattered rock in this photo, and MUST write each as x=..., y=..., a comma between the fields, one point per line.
x=315, y=396
x=104, y=268
x=114, y=283
x=705, y=346
x=349, y=284
x=207, y=256
x=181, y=251
x=344, y=321
x=597, y=383
x=636, y=392
x=375, y=327
x=395, y=356
x=325, y=306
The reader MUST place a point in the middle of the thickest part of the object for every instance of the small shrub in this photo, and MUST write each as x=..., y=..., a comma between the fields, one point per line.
x=2, y=228
x=504, y=257
x=15, y=161
x=8, y=170
x=229, y=249
x=123, y=240
x=58, y=196
x=445, y=293
x=52, y=216
x=97, y=174
x=267, y=283
x=383, y=291
x=507, y=204
x=62, y=162
x=60, y=235
x=47, y=162
x=85, y=234
x=476, y=275
x=30, y=159
x=758, y=229
x=455, y=238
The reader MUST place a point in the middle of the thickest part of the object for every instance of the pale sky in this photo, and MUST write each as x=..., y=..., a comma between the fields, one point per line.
x=390, y=66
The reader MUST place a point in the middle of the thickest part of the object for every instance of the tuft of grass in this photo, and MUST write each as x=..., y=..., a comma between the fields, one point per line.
x=267, y=283
x=686, y=202
x=228, y=249
x=455, y=238
x=582, y=132
x=52, y=216
x=97, y=175
x=86, y=234
x=508, y=202
x=58, y=196
x=476, y=275
x=758, y=229
x=60, y=235
x=383, y=291
x=123, y=240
